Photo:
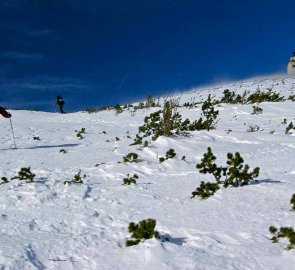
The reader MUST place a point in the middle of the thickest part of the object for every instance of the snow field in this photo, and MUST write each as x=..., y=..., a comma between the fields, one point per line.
x=46, y=224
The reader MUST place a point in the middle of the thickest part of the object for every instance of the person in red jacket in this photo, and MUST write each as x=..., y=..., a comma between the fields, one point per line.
x=4, y=113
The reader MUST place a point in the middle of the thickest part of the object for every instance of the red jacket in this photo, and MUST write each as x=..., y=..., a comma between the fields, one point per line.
x=4, y=113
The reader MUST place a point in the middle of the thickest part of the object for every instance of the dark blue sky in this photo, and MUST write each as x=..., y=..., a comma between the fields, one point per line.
x=95, y=52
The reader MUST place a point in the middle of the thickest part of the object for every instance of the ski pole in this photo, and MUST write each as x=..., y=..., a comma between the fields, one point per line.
x=12, y=133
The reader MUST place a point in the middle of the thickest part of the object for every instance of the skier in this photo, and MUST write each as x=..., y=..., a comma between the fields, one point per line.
x=4, y=113
x=60, y=103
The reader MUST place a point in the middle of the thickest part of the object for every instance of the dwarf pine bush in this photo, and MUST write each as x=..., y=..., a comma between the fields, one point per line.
x=4, y=180
x=144, y=230
x=118, y=109
x=268, y=96
x=208, y=165
x=80, y=132
x=130, y=179
x=283, y=232
x=130, y=157
x=235, y=173
x=289, y=128
x=164, y=122
x=292, y=201
x=257, y=96
x=210, y=114
x=253, y=128
x=205, y=190
x=168, y=122
x=257, y=110
x=77, y=179
x=25, y=174
x=150, y=102
x=169, y=154
x=230, y=97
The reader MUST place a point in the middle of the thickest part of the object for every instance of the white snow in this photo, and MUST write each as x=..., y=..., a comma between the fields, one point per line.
x=47, y=225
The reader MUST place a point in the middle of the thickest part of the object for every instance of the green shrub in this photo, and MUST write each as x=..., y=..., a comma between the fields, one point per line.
x=268, y=96
x=130, y=180
x=169, y=154
x=144, y=230
x=80, y=132
x=131, y=157
x=4, y=180
x=208, y=165
x=283, y=232
x=205, y=190
x=164, y=122
x=256, y=97
x=237, y=173
x=150, y=102
x=77, y=179
x=118, y=109
x=292, y=201
x=25, y=174
x=289, y=128
x=257, y=110
x=168, y=122
x=253, y=128
x=210, y=117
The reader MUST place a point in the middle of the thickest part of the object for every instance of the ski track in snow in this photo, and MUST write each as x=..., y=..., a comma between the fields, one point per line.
x=47, y=225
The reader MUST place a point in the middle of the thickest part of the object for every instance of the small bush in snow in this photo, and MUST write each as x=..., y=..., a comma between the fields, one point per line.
x=208, y=165
x=164, y=122
x=233, y=98
x=35, y=138
x=292, y=98
x=150, y=102
x=268, y=96
x=130, y=180
x=169, y=154
x=168, y=122
x=4, y=180
x=205, y=190
x=292, y=201
x=237, y=173
x=257, y=110
x=289, y=128
x=253, y=128
x=131, y=157
x=283, y=232
x=144, y=230
x=77, y=179
x=25, y=174
x=62, y=151
x=210, y=117
x=118, y=109
x=80, y=132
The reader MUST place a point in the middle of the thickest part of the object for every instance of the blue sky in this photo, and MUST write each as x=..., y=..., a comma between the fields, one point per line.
x=96, y=53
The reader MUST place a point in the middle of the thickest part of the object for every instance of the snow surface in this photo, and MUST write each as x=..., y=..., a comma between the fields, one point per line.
x=47, y=225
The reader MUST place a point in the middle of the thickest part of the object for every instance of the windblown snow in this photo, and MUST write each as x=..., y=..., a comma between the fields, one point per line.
x=48, y=225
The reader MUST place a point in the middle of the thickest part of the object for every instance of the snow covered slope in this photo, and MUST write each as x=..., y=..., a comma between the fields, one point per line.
x=47, y=225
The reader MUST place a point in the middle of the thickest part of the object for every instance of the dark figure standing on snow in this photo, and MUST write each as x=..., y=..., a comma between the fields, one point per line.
x=4, y=113
x=60, y=103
